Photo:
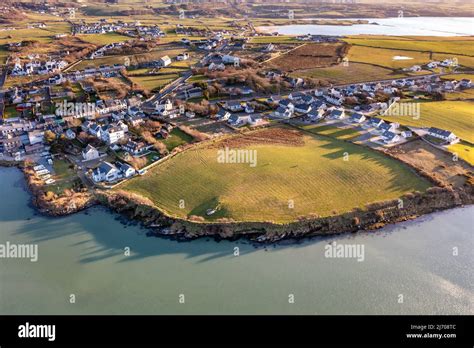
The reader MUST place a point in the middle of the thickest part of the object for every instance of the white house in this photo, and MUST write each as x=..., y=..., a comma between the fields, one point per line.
x=90, y=153
x=228, y=59
x=216, y=66
x=282, y=112
x=316, y=114
x=36, y=136
x=164, y=61
x=105, y=172
x=127, y=170
x=238, y=120
x=256, y=120
x=233, y=106
x=337, y=114
x=249, y=109
x=390, y=137
x=113, y=134
x=334, y=100
x=442, y=134
x=389, y=127
x=432, y=65
x=376, y=122
x=357, y=117
x=183, y=56
x=449, y=63
x=223, y=115
x=303, y=108
x=164, y=109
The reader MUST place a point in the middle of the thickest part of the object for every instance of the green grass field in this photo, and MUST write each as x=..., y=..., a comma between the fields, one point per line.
x=314, y=176
x=281, y=39
x=134, y=58
x=176, y=138
x=460, y=46
x=464, y=150
x=467, y=94
x=103, y=39
x=456, y=116
x=380, y=50
x=329, y=130
x=352, y=73
x=154, y=82
x=385, y=57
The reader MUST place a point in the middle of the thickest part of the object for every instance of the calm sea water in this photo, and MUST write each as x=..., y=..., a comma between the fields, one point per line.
x=421, y=26
x=83, y=255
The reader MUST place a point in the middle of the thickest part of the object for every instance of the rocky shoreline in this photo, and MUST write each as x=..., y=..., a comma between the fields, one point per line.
x=374, y=216
x=68, y=203
x=140, y=209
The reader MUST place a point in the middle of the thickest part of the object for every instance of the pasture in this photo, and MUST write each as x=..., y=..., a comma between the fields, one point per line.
x=295, y=175
x=353, y=72
x=456, y=116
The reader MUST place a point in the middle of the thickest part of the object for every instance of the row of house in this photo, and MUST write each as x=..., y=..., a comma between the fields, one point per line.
x=37, y=67
x=102, y=50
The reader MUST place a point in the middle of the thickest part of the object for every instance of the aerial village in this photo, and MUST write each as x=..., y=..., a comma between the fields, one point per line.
x=79, y=129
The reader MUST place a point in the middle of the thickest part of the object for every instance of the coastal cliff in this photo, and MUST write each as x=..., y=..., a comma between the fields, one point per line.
x=373, y=216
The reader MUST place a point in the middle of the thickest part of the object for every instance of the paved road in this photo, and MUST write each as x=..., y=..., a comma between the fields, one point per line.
x=149, y=103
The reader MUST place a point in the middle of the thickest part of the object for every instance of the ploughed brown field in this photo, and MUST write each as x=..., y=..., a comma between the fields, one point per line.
x=312, y=55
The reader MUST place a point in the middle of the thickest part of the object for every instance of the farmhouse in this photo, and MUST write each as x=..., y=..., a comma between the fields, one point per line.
x=442, y=134
x=165, y=108
x=164, y=61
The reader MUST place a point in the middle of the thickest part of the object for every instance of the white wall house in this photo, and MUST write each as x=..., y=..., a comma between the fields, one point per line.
x=442, y=134
x=90, y=153
x=105, y=172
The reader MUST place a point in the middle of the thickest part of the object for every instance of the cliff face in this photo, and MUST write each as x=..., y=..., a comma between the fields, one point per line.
x=373, y=216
